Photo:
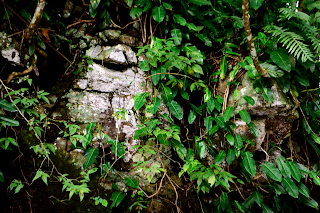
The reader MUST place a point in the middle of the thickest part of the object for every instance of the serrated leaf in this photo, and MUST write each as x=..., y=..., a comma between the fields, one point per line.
x=223, y=67
x=220, y=157
x=271, y=171
x=255, y=4
x=155, y=105
x=231, y=155
x=90, y=156
x=290, y=187
x=238, y=141
x=249, y=100
x=280, y=57
x=179, y=19
x=192, y=116
x=7, y=106
x=132, y=182
x=245, y=116
x=228, y=113
x=175, y=109
x=201, y=149
x=158, y=13
x=139, y=100
x=249, y=163
x=267, y=94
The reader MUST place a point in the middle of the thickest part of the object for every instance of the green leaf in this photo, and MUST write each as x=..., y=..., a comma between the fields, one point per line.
x=91, y=156
x=200, y=2
x=203, y=37
x=249, y=163
x=116, y=197
x=290, y=187
x=1, y=177
x=104, y=202
x=294, y=171
x=271, y=171
x=180, y=149
x=257, y=198
x=266, y=209
x=167, y=5
x=7, y=106
x=191, y=26
x=132, y=182
x=179, y=19
x=177, y=36
x=303, y=80
x=220, y=157
x=208, y=123
x=155, y=76
x=254, y=129
x=175, y=109
x=214, y=129
x=139, y=100
x=184, y=94
x=201, y=149
x=303, y=190
x=283, y=167
x=25, y=14
x=309, y=202
x=231, y=155
x=279, y=189
x=230, y=139
x=220, y=121
x=245, y=116
x=197, y=68
x=228, y=113
x=249, y=100
x=211, y=104
x=284, y=83
x=158, y=13
x=280, y=57
x=224, y=201
x=155, y=105
x=8, y=121
x=192, y=116
x=166, y=93
x=135, y=12
x=255, y=4
x=238, y=141
x=249, y=201
x=239, y=206
x=223, y=67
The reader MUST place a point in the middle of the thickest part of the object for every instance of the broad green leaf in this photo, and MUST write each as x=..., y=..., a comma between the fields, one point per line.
x=266, y=209
x=214, y=129
x=7, y=106
x=283, y=167
x=315, y=178
x=25, y=14
x=175, y=109
x=196, y=109
x=90, y=156
x=303, y=190
x=192, y=116
x=228, y=113
x=257, y=198
x=273, y=70
x=245, y=116
x=280, y=57
x=249, y=163
x=184, y=94
x=249, y=100
x=239, y=206
x=116, y=197
x=167, y=5
x=200, y=2
x=8, y=121
x=117, y=147
x=294, y=171
x=208, y=123
x=201, y=149
x=179, y=19
x=224, y=201
x=197, y=68
x=139, y=100
x=223, y=67
x=180, y=149
x=211, y=104
x=238, y=141
x=267, y=94
x=249, y=201
x=155, y=105
x=203, y=37
x=158, y=13
x=132, y=182
x=271, y=171
x=155, y=76
x=290, y=187
x=220, y=122
x=254, y=129
x=230, y=139
x=220, y=157
x=302, y=79
x=231, y=155
x=166, y=93
x=284, y=83
x=191, y=26
x=315, y=137
x=279, y=189
x=177, y=36
x=309, y=202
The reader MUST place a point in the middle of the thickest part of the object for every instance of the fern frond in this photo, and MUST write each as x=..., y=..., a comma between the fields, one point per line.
x=312, y=32
x=289, y=13
x=292, y=41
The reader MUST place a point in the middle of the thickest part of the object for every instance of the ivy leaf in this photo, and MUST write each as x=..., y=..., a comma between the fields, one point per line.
x=7, y=106
x=231, y=155
x=290, y=187
x=223, y=67
x=271, y=171
x=249, y=163
x=158, y=13
x=255, y=4
x=245, y=116
x=294, y=171
x=249, y=100
x=238, y=141
x=131, y=182
x=91, y=156
x=139, y=100
x=116, y=197
x=176, y=36
x=283, y=167
x=175, y=109
x=192, y=116
x=201, y=149
x=179, y=19
x=220, y=157
x=228, y=113
x=280, y=57
x=254, y=129
x=155, y=105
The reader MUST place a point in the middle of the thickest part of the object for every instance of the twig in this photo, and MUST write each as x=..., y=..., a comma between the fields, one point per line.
x=124, y=26
x=80, y=22
x=200, y=203
x=238, y=190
